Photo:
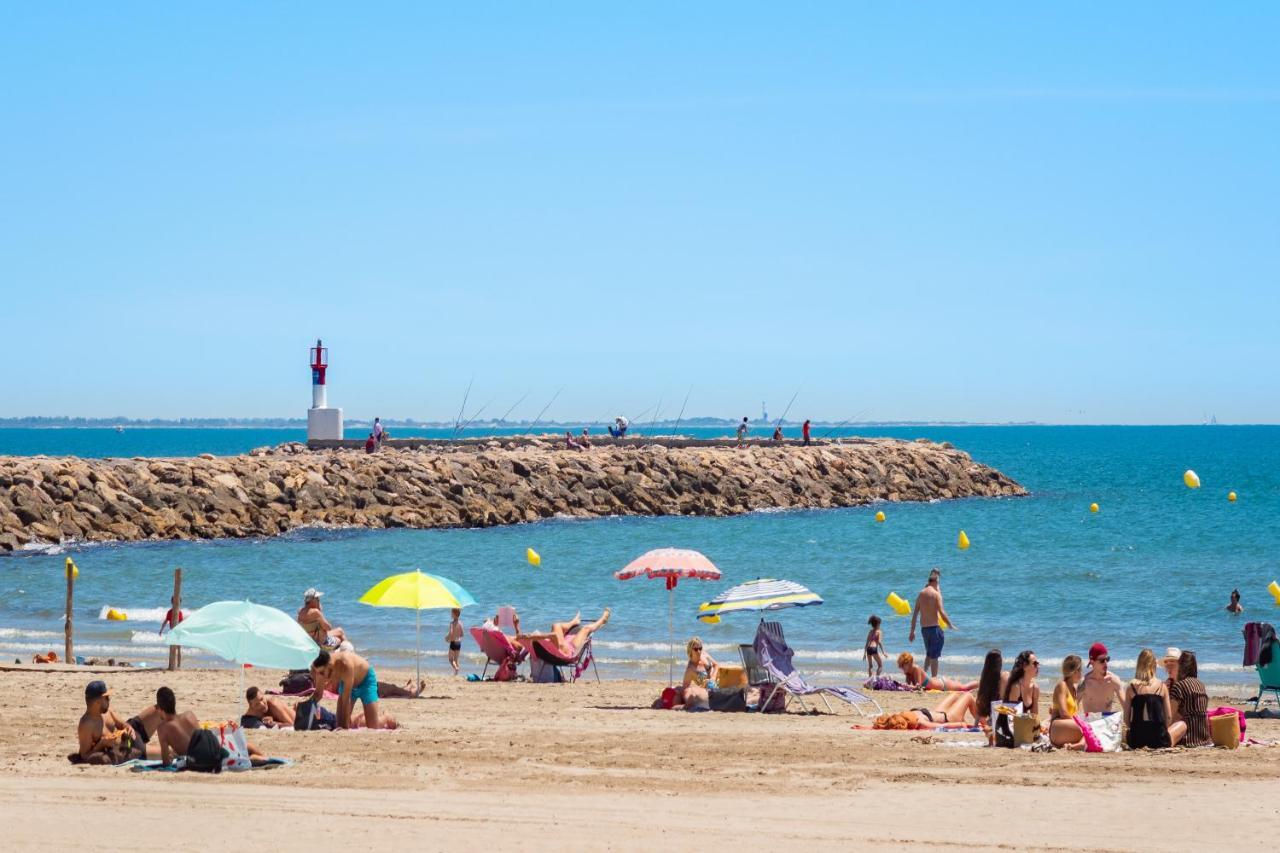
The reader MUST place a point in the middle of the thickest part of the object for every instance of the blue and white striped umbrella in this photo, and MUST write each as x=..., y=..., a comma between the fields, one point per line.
x=757, y=595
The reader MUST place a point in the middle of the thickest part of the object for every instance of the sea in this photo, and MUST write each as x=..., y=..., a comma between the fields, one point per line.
x=1153, y=567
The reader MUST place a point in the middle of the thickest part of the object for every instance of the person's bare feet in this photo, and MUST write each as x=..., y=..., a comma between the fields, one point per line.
x=422, y=685
x=604, y=617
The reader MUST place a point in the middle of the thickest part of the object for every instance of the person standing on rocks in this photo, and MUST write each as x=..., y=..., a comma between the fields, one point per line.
x=378, y=431
x=804, y=430
x=742, y=431
x=930, y=612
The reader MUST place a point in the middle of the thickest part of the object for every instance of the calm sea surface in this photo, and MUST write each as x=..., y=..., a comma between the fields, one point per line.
x=1153, y=568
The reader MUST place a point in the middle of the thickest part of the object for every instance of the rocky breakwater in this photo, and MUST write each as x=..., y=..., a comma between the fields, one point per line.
x=272, y=490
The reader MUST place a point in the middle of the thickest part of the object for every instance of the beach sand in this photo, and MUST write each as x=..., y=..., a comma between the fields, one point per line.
x=589, y=766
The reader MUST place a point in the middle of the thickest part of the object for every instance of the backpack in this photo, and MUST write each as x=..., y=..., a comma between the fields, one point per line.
x=506, y=670
x=205, y=752
x=297, y=681
x=312, y=716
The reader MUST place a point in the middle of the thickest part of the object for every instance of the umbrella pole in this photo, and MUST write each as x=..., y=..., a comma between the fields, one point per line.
x=418, y=650
x=671, y=636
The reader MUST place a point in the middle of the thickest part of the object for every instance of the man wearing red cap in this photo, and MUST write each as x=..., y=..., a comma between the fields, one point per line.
x=1102, y=691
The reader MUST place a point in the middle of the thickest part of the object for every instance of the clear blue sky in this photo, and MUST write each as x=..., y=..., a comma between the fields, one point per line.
x=1066, y=215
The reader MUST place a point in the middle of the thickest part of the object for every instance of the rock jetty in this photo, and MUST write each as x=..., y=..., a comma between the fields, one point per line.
x=271, y=490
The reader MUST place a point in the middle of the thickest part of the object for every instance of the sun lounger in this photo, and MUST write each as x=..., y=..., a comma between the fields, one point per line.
x=497, y=648
x=774, y=657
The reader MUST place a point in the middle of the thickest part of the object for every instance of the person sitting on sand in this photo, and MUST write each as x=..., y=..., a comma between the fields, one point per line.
x=1064, y=704
x=144, y=724
x=1170, y=664
x=182, y=735
x=355, y=680
x=1234, y=605
x=916, y=677
x=311, y=618
x=990, y=687
x=1021, y=691
x=104, y=737
x=702, y=669
x=1101, y=692
x=569, y=643
x=1147, y=710
x=266, y=711
x=1191, y=704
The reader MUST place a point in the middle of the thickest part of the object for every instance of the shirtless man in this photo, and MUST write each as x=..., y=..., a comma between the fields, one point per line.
x=929, y=610
x=144, y=724
x=354, y=678
x=1101, y=691
x=273, y=713
x=104, y=737
x=311, y=618
x=177, y=733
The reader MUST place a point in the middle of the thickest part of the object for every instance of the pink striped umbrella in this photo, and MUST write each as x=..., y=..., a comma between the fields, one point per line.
x=671, y=564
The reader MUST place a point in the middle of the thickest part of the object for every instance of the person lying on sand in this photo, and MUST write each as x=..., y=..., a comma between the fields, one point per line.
x=269, y=711
x=569, y=643
x=104, y=737
x=181, y=735
x=916, y=677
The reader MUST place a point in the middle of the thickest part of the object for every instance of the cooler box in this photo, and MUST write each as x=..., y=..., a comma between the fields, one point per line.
x=731, y=677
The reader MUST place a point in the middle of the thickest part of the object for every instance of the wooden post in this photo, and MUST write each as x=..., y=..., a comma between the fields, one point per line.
x=175, y=652
x=69, y=651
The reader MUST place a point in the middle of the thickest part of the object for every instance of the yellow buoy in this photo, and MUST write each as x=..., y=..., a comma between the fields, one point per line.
x=962, y=541
x=1093, y=507
x=1191, y=478
x=1231, y=496
x=898, y=603
x=114, y=615
x=533, y=557
x=72, y=571
x=1274, y=589
x=880, y=515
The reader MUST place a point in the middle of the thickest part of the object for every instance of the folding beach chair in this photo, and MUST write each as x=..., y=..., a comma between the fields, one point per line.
x=1269, y=677
x=774, y=656
x=549, y=665
x=497, y=649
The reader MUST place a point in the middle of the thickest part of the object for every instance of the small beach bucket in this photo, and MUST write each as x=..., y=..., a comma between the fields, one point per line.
x=1024, y=729
x=1225, y=731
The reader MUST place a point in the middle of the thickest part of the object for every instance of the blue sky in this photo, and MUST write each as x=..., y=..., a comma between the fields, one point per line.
x=1005, y=213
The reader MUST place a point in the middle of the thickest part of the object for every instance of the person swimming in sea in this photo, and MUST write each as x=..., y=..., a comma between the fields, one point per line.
x=1234, y=606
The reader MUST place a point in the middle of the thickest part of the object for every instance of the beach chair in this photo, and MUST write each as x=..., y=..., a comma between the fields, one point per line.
x=497, y=649
x=548, y=665
x=775, y=658
x=756, y=674
x=1269, y=678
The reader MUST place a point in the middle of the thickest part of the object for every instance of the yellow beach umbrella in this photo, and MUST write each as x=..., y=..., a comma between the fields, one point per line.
x=417, y=591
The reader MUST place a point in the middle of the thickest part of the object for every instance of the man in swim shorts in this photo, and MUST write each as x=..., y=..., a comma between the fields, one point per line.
x=355, y=680
x=1101, y=691
x=929, y=611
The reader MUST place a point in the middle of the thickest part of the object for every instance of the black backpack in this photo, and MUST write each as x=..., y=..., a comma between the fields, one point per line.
x=206, y=753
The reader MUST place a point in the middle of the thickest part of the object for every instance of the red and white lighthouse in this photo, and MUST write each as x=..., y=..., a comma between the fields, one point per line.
x=322, y=421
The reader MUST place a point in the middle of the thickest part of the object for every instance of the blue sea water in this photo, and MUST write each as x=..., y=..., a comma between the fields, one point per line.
x=1153, y=568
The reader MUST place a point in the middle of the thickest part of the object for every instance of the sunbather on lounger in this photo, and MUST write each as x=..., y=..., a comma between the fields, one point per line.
x=567, y=643
x=917, y=677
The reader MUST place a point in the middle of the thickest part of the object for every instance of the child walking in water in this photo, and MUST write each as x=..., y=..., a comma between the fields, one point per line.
x=874, y=646
x=454, y=638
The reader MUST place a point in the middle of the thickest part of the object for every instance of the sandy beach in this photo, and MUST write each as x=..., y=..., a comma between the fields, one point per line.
x=590, y=766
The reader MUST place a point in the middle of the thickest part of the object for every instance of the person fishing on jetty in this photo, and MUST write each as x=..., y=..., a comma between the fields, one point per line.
x=929, y=611
x=619, y=428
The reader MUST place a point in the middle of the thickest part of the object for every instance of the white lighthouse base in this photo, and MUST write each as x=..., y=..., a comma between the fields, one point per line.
x=324, y=423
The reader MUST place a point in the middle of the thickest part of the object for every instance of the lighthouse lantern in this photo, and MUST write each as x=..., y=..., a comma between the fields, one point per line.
x=323, y=422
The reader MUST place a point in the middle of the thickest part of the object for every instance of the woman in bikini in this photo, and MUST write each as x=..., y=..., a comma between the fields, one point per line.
x=1064, y=731
x=570, y=636
x=916, y=677
x=952, y=710
x=702, y=669
x=1021, y=689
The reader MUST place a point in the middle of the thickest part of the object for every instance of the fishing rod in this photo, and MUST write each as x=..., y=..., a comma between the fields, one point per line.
x=513, y=407
x=843, y=422
x=473, y=417
x=787, y=409
x=544, y=408
x=676, y=431
x=462, y=410
x=657, y=409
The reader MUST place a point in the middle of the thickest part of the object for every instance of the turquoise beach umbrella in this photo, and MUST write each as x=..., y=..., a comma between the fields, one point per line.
x=244, y=632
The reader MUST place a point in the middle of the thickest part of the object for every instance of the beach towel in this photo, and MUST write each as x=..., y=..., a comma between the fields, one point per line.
x=884, y=682
x=141, y=765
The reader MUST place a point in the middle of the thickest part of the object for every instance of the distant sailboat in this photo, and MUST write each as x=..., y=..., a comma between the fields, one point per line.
x=119, y=428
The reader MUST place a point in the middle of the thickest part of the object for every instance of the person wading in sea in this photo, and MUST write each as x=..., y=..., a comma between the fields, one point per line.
x=929, y=610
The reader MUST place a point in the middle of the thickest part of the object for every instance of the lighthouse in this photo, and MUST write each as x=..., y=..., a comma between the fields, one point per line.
x=322, y=421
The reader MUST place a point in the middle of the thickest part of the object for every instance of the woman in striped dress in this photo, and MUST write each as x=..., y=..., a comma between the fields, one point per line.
x=1192, y=703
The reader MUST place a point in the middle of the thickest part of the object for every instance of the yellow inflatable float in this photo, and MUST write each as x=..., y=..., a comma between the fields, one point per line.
x=114, y=615
x=962, y=541
x=1231, y=496
x=880, y=515
x=899, y=604
x=1274, y=589
x=1093, y=507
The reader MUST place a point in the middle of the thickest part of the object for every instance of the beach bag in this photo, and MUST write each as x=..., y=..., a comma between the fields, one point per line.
x=312, y=716
x=1224, y=729
x=205, y=752
x=776, y=703
x=1002, y=714
x=728, y=699
x=297, y=681
x=506, y=670
x=232, y=742
x=1102, y=733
